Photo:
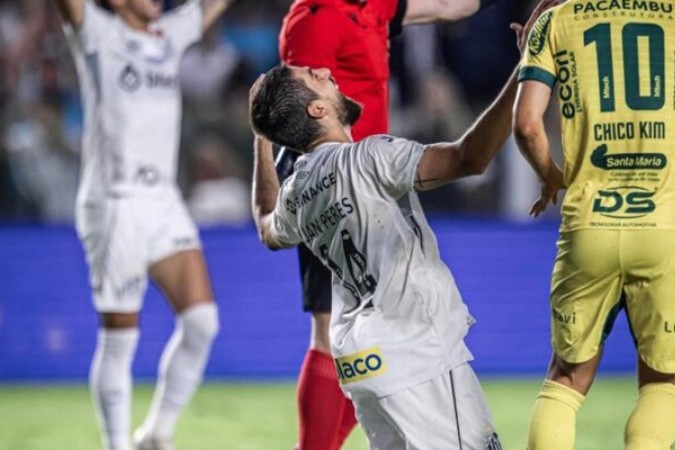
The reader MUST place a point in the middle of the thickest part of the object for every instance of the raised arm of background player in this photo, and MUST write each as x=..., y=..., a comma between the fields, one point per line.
x=72, y=11
x=426, y=11
x=441, y=163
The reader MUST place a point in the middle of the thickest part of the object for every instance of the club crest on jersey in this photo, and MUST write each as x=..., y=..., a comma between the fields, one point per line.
x=360, y=366
x=130, y=78
x=539, y=34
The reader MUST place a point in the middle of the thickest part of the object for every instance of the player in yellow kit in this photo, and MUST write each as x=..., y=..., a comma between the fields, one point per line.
x=613, y=62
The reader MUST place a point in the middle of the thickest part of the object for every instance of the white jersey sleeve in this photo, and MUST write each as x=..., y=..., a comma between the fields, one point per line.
x=284, y=230
x=394, y=161
x=95, y=25
x=184, y=24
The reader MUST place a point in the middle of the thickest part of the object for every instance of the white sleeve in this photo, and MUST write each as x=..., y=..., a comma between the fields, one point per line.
x=184, y=24
x=393, y=162
x=283, y=230
x=96, y=23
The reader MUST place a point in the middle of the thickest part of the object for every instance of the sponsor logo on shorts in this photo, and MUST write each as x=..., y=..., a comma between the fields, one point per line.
x=131, y=286
x=184, y=242
x=492, y=442
x=565, y=319
x=147, y=175
x=360, y=366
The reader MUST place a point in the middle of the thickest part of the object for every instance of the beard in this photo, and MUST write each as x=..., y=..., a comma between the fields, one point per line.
x=349, y=110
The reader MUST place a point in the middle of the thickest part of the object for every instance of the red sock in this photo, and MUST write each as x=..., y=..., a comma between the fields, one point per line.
x=322, y=405
x=348, y=421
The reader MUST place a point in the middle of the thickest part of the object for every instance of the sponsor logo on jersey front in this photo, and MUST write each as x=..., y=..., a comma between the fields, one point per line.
x=147, y=175
x=130, y=78
x=360, y=366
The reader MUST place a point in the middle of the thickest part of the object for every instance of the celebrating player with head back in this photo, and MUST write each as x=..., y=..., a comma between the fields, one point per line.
x=351, y=39
x=398, y=321
x=130, y=215
x=617, y=240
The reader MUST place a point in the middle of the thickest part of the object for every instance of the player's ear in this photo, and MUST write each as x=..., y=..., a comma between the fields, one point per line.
x=317, y=109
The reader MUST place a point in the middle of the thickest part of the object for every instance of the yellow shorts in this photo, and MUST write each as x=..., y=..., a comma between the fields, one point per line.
x=599, y=272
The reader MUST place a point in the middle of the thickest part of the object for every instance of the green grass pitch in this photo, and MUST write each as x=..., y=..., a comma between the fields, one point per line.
x=233, y=416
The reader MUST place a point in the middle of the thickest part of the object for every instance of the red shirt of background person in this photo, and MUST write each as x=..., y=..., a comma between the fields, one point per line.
x=351, y=38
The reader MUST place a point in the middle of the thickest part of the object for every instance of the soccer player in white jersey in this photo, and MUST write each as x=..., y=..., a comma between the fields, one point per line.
x=398, y=321
x=129, y=215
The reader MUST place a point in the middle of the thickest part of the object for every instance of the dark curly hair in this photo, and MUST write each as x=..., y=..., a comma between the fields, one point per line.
x=279, y=110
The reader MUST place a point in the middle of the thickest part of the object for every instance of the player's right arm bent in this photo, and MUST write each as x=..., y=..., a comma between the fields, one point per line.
x=265, y=193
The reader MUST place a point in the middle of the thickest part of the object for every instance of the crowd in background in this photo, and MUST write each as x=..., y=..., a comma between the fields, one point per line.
x=442, y=76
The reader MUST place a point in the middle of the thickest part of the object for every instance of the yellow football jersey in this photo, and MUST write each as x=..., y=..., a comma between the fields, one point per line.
x=614, y=64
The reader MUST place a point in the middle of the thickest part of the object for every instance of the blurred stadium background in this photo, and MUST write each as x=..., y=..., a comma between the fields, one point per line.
x=442, y=76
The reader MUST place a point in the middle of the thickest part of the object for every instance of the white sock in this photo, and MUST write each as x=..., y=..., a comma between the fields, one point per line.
x=181, y=368
x=110, y=384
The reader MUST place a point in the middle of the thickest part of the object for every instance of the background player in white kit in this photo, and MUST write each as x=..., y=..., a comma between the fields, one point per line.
x=130, y=215
x=398, y=321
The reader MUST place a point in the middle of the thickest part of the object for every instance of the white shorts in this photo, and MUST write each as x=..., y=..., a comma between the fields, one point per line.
x=123, y=237
x=446, y=413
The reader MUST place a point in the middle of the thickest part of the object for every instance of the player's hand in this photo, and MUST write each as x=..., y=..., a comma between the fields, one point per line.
x=523, y=32
x=549, y=191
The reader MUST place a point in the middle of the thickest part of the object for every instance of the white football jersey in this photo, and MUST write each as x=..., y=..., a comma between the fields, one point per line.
x=397, y=316
x=130, y=92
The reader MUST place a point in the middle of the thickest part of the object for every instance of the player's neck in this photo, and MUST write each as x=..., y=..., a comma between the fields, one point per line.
x=342, y=134
x=133, y=21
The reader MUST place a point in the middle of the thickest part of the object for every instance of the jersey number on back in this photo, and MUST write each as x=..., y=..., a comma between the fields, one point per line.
x=633, y=34
x=362, y=284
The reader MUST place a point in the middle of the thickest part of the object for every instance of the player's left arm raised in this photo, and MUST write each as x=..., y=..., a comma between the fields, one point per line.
x=212, y=10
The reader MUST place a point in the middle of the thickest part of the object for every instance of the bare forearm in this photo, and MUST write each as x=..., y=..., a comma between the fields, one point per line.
x=481, y=143
x=72, y=11
x=265, y=181
x=427, y=11
x=213, y=9
x=533, y=144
